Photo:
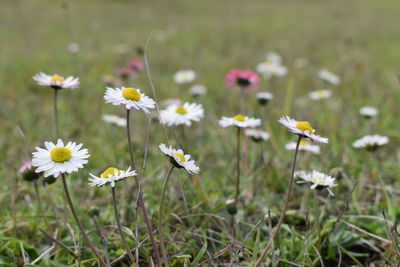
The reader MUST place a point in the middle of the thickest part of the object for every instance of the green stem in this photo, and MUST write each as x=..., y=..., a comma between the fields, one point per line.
x=317, y=223
x=56, y=113
x=78, y=222
x=237, y=166
x=40, y=205
x=128, y=251
x=285, y=205
x=160, y=217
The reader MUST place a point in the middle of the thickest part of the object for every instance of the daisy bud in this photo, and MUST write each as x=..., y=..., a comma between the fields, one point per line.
x=231, y=206
x=49, y=180
x=28, y=173
x=94, y=212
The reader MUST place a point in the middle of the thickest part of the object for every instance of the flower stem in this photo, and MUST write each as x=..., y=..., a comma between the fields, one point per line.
x=160, y=217
x=140, y=196
x=284, y=208
x=40, y=205
x=56, y=112
x=317, y=223
x=237, y=166
x=128, y=251
x=78, y=222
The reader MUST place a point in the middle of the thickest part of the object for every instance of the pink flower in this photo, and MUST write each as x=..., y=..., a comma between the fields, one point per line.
x=136, y=65
x=245, y=79
x=124, y=72
x=26, y=165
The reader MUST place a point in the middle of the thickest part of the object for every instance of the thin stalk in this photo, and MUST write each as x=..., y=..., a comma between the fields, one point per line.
x=317, y=223
x=56, y=112
x=237, y=166
x=140, y=196
x=128, y=251
x=284, y=208
x=103, y=241
x=40, y=205
x=78, y=222
x=160, y=216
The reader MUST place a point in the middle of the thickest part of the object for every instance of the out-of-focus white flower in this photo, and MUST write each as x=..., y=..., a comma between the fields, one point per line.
x=257, y=135
x=198, y=90
x=110, y=175
x=130, y=97
x=182, y=114
x=274, y=58
x=114, y=119
x=179, y=159
x=320, y=94
x=369, y=112
x=239, y=121
x=184, y=76
x=304, y=145
x=269, y=69
x=318, y=180
x=328, y=77
x=264, y=97
x=371, y=142
x=56, y=81
x=73, y=48
x=302, y=128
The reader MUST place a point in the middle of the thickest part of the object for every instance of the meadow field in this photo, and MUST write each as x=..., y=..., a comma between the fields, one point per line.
x=274, y=216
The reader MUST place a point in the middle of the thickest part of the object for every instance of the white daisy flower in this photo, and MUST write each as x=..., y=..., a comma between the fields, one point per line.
x=269, y=69
x=179, y=159
x=328, y=77
x=73, y=48
x=318, y=180
x=371, y=142
x=184, y=76
x=130, y=97
x=114, y=119
x=57, y=158
x=182, y=114
x=239, y=121
x=320, y=94
x=198, y=90
x=110, y=175
x=56, y=81
x=369, y=112
x=274, y=57
x=264, y=97
x=257, y=135
x=302, y=128
x=304, y=145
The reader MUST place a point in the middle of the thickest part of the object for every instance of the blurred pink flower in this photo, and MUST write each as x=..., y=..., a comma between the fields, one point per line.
x=245, y=79
x=124, y=73
x=136, y=65
x=26, y=165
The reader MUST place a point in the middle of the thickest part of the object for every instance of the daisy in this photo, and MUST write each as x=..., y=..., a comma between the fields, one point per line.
x=198, y=90
x=264, y=97
x=184, y=76
x=57, y=158
x=371, y=142
x=130, y=97
x=302, y=128
x=269, y=69
x=114, y=119
x=182, y=114
x=179, y=159
x=245, y=79
x=318, y=180
x=369, y=112
x=304, y=145
x=56, y=81
x=320, y=94
x=110, y=175
x=328, y=77
x=257, y=135
x=274, y=58
x=239, y=121
x=73, y=48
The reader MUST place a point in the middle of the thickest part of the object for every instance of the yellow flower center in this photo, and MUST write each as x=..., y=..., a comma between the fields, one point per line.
x=60, y=154
x=304, y=126
x=181, y=110
x=320, y=93
x=303, y=143
x=317, y=179
x=131, y=94
x=180, y=156
x=110, y=170
x=57, y=78
x=239, y=117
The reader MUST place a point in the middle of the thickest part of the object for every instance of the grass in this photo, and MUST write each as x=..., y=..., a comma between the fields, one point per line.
x=355, y=39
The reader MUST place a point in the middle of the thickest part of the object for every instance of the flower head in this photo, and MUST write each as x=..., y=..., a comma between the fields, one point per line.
x=136, y=65
x=304, y=145
x=257, y=135
x=56, y=81
x=245, y=79
x=57, y=158
x=184, y=76
x=369, y=112
x=179, y=159
x=130, y=97
x=264, y=97
x=318, y=180
x=181, y=114
x=371, y=142
x=320, y=94
x=114, y=119
x=274, y=57
x=239, y=121
x=328, y=77
x=110, y=175
x=28, y=173
x=269, y=69
x=124, y=73
x=302, y=128
x=198, y=90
